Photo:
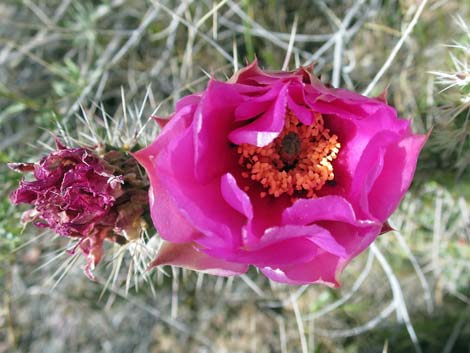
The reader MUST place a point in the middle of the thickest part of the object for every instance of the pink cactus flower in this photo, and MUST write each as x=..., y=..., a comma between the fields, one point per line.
x=275, y=170
x=80, y=195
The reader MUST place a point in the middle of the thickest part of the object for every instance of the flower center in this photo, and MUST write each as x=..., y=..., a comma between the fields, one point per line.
x=296, y=163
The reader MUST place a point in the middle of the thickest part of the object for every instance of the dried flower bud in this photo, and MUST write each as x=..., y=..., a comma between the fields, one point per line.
x=77, y=194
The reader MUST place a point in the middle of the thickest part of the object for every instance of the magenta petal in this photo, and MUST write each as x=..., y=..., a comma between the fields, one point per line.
x=201, y=204
x=326, y=208
x=240, y=201
x=250, y=109
x=395, y=178
x=161, y=121
x=166, y=216
x=190, y=100
x=288, y=251
x=352, y=237
x=368, y=169
x=316, y=234
x=176, y=125
x=356, y=134
x=183, y=106
x=169, y=221
x=254, y=76
x=187, y=256
x=213, y=120
x=267, y=213
x=247, y=73
x=304, y=114
x=259, y=104
x=342, y=102
x=265, y=128
x=324, y=268
x=235, y=196
x=284, y=245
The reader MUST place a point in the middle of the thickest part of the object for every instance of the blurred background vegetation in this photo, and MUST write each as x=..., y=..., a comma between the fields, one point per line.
x=61, y=60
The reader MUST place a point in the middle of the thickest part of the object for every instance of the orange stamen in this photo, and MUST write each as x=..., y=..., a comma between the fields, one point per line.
x=296, y=163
